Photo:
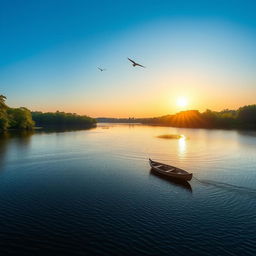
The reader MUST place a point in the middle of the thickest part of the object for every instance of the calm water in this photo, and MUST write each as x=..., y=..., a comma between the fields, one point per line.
x=91, y=192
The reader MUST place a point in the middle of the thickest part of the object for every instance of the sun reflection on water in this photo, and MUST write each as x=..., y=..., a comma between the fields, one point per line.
x=182, y=146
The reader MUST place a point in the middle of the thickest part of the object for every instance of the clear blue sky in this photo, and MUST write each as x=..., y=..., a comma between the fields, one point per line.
x=203, y=50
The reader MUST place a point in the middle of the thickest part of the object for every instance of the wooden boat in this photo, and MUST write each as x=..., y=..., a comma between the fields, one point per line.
x=175, y=182
x=170, y=171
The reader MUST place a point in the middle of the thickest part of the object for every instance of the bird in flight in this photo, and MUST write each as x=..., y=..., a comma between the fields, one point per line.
x=101, y=69
x=135, y=63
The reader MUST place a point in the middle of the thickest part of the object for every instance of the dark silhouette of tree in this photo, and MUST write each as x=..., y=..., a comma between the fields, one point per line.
x=247, y=116
x=62, y=120
x=244, y=117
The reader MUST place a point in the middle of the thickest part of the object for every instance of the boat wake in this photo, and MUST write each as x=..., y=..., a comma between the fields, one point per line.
x=228, y=187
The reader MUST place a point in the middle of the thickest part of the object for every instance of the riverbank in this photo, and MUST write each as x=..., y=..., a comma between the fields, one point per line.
x=242, y=118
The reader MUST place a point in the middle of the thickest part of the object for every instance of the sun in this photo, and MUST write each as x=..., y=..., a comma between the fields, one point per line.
x=182, y=102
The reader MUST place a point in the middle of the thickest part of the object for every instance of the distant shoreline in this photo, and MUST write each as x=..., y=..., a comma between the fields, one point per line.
x=161, y=125
x=243, y=119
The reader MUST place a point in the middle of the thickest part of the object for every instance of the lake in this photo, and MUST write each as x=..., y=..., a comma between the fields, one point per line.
x=91, y=192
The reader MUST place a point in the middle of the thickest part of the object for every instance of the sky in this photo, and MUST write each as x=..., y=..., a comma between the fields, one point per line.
x=204, y=51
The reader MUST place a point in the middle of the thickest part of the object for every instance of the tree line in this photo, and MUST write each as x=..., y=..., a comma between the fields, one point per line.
x=62, y=120
x=23, y=119
x=14, y=118
x=242, y=118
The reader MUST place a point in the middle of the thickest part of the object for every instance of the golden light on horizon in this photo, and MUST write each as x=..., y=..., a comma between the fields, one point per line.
x=182, y=102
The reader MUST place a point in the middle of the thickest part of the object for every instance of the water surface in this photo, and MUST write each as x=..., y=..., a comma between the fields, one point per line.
x=91, y=192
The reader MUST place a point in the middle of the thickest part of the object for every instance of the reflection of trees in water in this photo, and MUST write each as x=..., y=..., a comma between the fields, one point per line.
x=247, y=137
x=21, y=139
x=3, y=146
x=54, y=129
x=247, y=133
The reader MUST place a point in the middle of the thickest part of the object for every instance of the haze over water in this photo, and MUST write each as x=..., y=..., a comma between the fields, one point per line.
x=91, y=192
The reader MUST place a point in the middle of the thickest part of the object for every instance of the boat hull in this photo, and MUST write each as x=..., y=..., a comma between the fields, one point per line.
x=177, y=182
x=185, y=176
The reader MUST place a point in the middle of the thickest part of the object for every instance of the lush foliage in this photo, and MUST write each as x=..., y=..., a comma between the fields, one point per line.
x=4, y=121
x=62, y=120
x=21, y=119
x=244, y=117
x=14, y=118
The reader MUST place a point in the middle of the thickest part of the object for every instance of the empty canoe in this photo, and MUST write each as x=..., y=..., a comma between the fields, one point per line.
x=170, y=171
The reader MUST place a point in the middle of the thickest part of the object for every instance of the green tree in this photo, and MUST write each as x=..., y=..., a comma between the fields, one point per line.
x=4, y=123
x=62, y=120
x=20, y=118
x=2, y=102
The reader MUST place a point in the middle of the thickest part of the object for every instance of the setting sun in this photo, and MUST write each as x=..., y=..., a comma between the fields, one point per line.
x=182, y=102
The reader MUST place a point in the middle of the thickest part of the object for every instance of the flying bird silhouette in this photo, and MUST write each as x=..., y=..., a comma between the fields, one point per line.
x=101, y=69
x=135, y=63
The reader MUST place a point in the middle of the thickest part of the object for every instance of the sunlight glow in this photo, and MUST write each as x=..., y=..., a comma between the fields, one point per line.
x=182, y=102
